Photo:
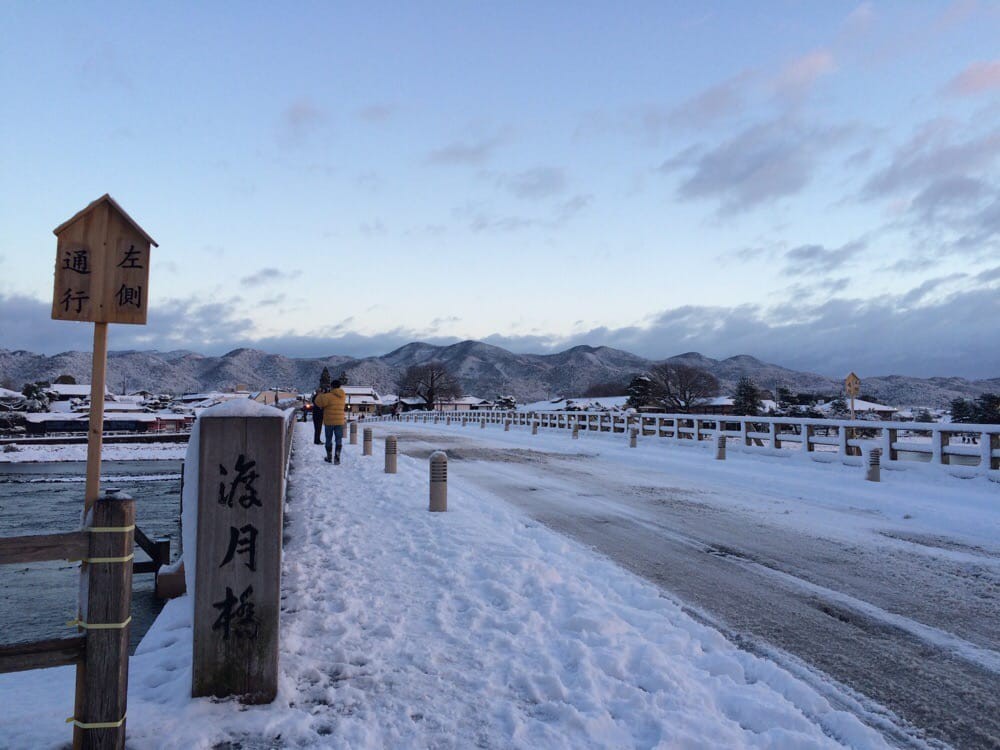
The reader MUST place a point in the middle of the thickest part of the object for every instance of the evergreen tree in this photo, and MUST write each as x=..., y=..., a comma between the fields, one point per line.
x=923, y=416
x=324, y=379
x=987, y=409
x=746, y=401
x=640, y=392
x=962, y=411
x=839, y=409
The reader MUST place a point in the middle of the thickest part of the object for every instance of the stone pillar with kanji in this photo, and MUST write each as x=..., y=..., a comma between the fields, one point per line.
x=238, y=558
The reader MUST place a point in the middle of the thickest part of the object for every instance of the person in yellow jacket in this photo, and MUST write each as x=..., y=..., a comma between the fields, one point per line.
x=332, y=401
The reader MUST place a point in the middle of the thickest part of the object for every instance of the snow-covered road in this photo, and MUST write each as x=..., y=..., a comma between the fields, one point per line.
x=892, y=589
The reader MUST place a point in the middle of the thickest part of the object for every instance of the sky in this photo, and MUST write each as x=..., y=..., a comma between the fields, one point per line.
x=814, y=184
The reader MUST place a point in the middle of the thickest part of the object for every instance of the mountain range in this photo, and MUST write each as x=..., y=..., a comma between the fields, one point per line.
x=484, y=370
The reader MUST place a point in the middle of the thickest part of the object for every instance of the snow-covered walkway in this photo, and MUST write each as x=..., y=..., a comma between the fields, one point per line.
x=474, y=628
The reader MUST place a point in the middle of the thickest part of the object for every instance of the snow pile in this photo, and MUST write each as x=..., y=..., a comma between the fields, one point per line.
x=472, y=628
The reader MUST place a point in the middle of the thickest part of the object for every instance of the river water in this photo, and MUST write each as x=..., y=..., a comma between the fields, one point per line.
x=36, y=600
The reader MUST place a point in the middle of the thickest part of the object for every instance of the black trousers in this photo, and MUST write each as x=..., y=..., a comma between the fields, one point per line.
x=318, y=429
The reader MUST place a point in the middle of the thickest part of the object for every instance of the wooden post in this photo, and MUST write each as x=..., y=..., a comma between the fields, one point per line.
x=238, y=555
x=95, y=427
x=994, y=443
x=106, y=598
x=807, y=435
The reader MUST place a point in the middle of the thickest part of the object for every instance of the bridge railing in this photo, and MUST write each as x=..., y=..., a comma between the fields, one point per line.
x=964, y=448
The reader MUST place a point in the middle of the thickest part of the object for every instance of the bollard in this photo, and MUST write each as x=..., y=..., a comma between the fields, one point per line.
x=439, y=482
x=576, y=430
x=534, y=428
x=482, y=424
x=506, y=425
x=720, y=447
x=633, y=437
x=447, y=421
x=354, y=433
x=435, y=419
x=874, y=473
x=391, y=449
x=366, y=448
x=464, y=421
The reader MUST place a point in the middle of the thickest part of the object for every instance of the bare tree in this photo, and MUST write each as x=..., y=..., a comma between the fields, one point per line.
x=432, y=382
x=682, y=388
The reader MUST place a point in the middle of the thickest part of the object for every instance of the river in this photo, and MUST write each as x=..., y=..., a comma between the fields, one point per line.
x=37, y=600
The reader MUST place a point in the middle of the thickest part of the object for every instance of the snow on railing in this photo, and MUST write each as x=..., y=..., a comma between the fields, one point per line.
x=964, y=448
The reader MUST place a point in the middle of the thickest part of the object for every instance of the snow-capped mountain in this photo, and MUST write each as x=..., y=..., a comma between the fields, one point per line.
x=483, y=369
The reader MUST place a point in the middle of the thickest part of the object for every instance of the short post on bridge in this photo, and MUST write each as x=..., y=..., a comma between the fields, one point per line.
x=391, y=450
x=874, y=470
x=354, y=433
x=439, y=482
x=366, y=444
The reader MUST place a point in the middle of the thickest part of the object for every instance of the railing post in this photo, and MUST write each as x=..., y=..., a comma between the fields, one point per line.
x=633, y=437
x=889, y=437
x=534, y=427
x=993, y=441
x=941, y=441
x=775, y=441
x=106, y=600
x=807, y=443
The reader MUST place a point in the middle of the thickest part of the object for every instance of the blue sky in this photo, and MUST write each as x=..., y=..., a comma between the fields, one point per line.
x=815, y=184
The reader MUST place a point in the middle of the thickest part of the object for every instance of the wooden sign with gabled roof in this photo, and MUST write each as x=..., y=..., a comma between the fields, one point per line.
x=102, y=266
x=102, y=276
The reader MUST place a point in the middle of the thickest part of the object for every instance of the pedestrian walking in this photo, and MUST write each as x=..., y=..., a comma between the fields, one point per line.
x=317, y=414
x=332, y=400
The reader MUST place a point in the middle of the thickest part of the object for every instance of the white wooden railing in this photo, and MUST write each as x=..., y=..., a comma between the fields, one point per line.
x=901, y=443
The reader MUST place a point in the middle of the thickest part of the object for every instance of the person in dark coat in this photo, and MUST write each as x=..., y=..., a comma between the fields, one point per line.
x=317, y=412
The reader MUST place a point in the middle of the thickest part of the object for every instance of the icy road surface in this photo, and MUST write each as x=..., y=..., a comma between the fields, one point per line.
x=891, y=589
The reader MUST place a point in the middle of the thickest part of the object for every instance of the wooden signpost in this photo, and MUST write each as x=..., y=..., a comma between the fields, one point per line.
x=101, y=277
x=852, y=385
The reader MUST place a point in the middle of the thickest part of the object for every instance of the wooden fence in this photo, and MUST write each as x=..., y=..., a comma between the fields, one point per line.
x=901, y=443
x=100, y=651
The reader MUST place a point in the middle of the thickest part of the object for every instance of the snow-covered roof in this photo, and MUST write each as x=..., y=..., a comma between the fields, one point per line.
x=56, y=416
x=212, y=395
x=71, y=390
x=600, y=403
x=859, y=405
x=475, y=400
x=7, y=393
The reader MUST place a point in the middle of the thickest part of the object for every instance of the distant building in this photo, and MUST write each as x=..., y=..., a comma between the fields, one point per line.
x=48, y=423
x=68, y=391
x=465, y=403
x=600, y=403
x=274, y=396
x=861, y=408
x=362, y=399
x=404, y=403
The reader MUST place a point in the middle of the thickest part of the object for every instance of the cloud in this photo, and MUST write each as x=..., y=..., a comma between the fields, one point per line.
x=758, y=165
x=798, y=77
x=374, y=113
x=538, y=182
x=934, y=152
x=816, y=259
x=716, y=103
x=476, y=151
x=298, y=121
x=269, y=276
x=481, y=218
x=954, y=334
x=978, y=78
